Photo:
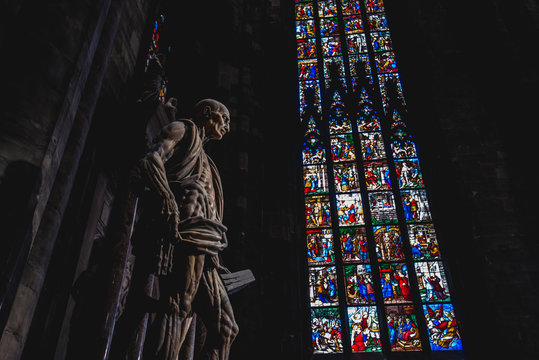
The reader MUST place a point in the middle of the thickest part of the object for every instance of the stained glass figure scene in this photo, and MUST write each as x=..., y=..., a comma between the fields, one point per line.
x=373, y=6
x=354, y=244
x=359, y=284
x=381, y=41
x=409, y=174
x=306, y=48
x=442, y=326
x=372, y=146
x=368, y=119
x=329, y=26
x=323, y=286
x=383, y=209
x=304, y=11
x=378, y=22
x=327, y=8
x=351, y=7
x=331, y=46
x=346, y=178
x=342, y=148
x=364, y=329
x=353, y=25
x=315, y=179
x=416, y=205
x=377, y=175
x=326, y=331
x=350, y=209
x=320, y=247
x=386, y=62
x=402, y=327
x=423, y=242
x=432, y=281
x=395, y=283
x=388, y=243
x=305, y=29
x=357, y=43
x=307, y=70
x=317, y=211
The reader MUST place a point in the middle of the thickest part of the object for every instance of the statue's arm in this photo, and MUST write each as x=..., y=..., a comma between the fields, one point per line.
x=153, y=169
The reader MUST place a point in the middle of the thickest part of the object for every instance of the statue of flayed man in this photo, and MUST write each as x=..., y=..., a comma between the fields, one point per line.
x=188, y=184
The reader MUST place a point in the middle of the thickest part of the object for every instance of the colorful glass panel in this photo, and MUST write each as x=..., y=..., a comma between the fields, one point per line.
x=327, y=8
x=317, y=213
x=442, y=326
x=377, y=175
x=323, y=286
x=372, y=146
x=381, y=41
x=373, y=6
x=388, y=243
x=349, y=209
x=304, y=11
x=308, y=70
x=402, y=326
x=306, y=48
x=305, y=29
x=432, y=282
x=320, y=247
x=353, y=25
x=331, y=46
x=354, y=244
x=342, y=148
x=386, y=62
x=359, y=284
x=329, y=27
x=351, y=7
x=315, y=179
x=378, y=22
x=395, y=283
x=409, y=174
x=357, y=44
x=423, y=242
x=346, y=178
x=326, y=331
x=364, y=329
x=416, y=205
x=383, y=209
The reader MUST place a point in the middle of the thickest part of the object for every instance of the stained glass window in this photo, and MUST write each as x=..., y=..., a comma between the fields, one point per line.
x=377, y=280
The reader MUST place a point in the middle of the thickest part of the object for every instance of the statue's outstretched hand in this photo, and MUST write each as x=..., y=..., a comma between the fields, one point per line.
x=169, y=210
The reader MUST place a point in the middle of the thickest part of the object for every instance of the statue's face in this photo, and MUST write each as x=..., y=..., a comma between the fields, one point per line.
x=218, y=123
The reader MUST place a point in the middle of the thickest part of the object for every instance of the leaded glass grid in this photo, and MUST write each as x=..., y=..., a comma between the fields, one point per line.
x=377, y=281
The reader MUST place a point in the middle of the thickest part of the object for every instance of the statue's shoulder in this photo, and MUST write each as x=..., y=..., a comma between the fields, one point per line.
x=178, y=129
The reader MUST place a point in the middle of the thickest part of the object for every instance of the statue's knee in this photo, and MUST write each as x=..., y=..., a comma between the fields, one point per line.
x=234, y=330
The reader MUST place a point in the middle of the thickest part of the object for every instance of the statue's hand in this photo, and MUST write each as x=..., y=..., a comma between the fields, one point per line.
x=169, y=210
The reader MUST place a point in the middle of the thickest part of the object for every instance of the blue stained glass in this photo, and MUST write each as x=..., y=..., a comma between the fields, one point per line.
x=443, y=327
x=323, y=286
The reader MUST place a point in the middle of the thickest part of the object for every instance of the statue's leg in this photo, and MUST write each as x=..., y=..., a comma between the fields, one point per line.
x=177, y=293
x=216, y=311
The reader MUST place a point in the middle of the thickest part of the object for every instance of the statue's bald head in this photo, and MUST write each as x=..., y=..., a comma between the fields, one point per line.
x=213, y=116
x=204, y=107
